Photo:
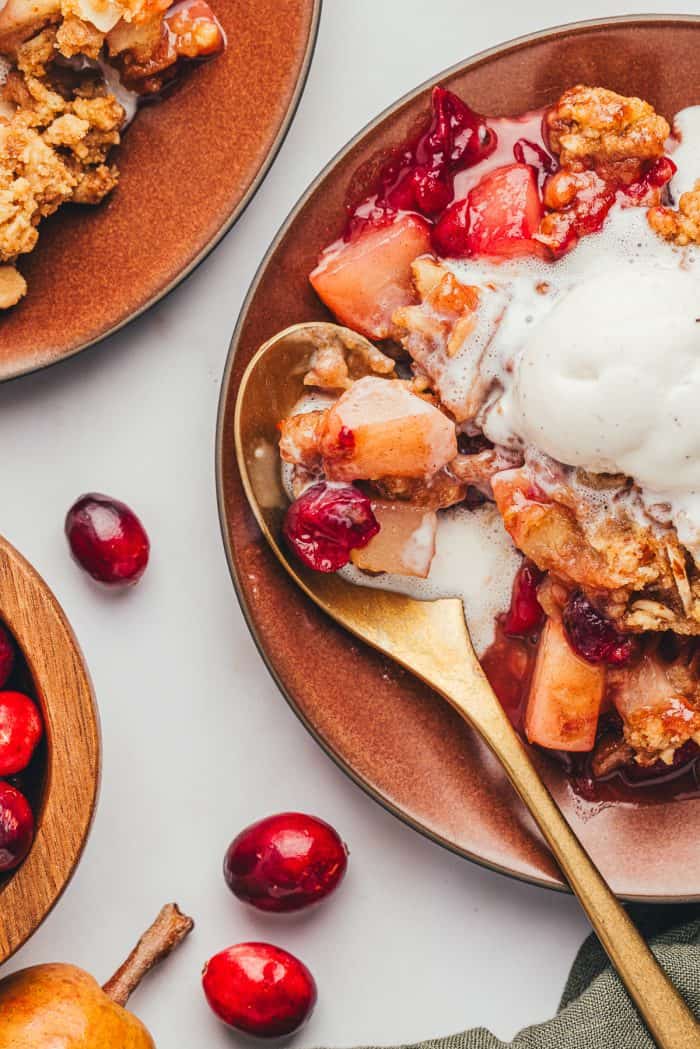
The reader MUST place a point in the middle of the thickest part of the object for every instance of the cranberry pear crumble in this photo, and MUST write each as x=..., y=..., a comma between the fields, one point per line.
x=72, y=73
x=523, y=428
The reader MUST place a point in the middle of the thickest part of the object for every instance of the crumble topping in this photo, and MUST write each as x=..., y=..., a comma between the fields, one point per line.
x=53, y=149
x=335, y=365
x=682, y=227
x=592, y=127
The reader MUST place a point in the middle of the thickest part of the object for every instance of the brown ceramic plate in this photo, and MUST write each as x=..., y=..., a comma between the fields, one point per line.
x=389, y=732
x=189, y=166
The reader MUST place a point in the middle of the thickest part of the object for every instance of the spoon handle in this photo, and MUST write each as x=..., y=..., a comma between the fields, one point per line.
x=431, y=639
x=668, y=1018
x=466, y=688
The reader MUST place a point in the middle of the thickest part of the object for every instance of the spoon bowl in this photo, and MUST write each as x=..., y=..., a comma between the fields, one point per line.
x=431, y=639
x=271, y=386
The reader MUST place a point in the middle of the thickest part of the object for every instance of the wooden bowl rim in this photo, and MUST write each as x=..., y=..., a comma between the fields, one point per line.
x=509, y=46
x=40, y=364
x=73, y=764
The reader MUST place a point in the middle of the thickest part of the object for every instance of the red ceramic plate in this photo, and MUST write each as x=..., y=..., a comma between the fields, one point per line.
x=389, y=732
x=189, y=166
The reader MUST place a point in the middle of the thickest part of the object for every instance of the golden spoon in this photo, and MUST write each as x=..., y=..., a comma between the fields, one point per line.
x=431, y=639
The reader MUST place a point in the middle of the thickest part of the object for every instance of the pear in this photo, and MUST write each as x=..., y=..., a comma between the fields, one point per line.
x=60, y=1006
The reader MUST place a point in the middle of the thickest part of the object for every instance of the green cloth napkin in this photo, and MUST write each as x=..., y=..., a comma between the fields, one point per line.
x=595, y=1012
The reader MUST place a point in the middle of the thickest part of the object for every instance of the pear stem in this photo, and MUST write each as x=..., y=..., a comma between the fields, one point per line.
x=168, y=930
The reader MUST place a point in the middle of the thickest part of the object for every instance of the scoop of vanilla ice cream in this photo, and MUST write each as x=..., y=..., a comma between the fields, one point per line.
x=609, y=380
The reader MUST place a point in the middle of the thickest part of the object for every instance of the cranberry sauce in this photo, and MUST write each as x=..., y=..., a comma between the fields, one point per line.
x=442, y=164
x=508, y=664
x=439, y=169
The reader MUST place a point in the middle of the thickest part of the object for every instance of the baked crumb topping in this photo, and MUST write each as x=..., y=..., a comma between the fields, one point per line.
x=592, y=127
x=681, y=227
x=53, y=148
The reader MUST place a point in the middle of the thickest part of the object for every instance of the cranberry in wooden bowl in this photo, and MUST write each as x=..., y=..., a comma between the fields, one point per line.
x=49, y=750
x=285, y=862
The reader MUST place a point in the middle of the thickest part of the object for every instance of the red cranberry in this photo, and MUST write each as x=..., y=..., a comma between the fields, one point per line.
x=259, y=989
x=16, y=827
x=451, y=234
x=420, y=176
x=285, y=862
x=525, y=614
x=107, y=539
x=324, y=524
x=20, y=732
x=593, y=636
x=7, y=656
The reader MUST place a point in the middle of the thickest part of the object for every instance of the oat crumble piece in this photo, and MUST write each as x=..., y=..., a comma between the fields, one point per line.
x=336, y=364
x=76, y=37
x=682, y=227
x=592, y=127
x=52, y=149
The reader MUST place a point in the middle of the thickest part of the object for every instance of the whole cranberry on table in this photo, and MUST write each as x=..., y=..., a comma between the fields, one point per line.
x=259, y=989
x=16, y=827
x=285, y=862
x=20, y=732
x=107, y=539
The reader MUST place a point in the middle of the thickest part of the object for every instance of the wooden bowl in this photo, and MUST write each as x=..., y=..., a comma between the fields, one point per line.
x=67, y=783
x=386, y=729
x=189, y=165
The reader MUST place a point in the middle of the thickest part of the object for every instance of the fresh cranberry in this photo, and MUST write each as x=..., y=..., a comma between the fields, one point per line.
x=285, y=862
x=324, y=524
x=592, y=636
x=420, y=177
x=20, y=732
x=525, y=615
x=16, y=827
x=7, y=656
x=259, y=989
x=107, y=539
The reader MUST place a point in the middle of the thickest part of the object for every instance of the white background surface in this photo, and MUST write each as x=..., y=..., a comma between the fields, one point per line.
x=197, y=740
